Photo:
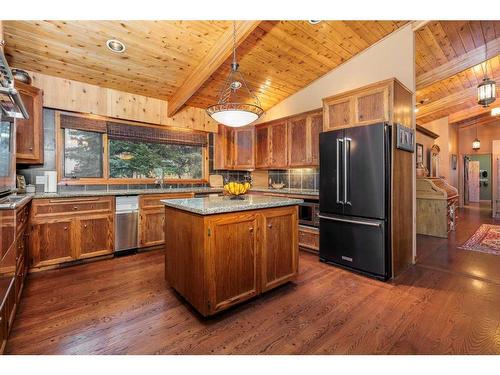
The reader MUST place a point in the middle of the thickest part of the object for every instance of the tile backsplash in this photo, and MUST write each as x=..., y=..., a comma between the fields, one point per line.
x=304, y=178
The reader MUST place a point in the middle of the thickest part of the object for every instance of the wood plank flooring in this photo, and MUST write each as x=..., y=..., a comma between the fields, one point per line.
x=448, y=303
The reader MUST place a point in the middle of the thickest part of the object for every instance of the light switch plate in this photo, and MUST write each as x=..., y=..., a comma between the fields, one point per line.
x=40, y=180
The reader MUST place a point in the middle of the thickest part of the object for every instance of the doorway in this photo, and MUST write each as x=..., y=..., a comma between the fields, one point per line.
x=478, y=180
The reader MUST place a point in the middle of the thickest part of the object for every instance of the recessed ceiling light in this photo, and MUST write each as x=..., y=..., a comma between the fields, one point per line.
x=115, y=45
x=495, y=111
x=314, y=22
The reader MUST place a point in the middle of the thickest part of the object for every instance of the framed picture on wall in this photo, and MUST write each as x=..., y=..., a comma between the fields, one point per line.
x=420, y=153
x=453, y=161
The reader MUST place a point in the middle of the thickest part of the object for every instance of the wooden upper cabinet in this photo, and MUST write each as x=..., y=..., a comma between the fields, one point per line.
x=372, y=106
x=243, y=149
x=338, y=113
x=262, y=157
x=297, y=141
x=234, y=148
x=303, y=139
x=316, y=127
x=366, y=105
x=278, y=145
x=29, y=133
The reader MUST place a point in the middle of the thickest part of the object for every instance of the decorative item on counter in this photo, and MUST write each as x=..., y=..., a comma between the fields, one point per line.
x=236, y=189
x=421, y=170
x=20, y=184
x=21, y=76
x=278, y=185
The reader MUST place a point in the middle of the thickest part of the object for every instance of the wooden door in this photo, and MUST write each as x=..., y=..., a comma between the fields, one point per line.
x=337, y=113
x=29, y=133
x=52, y=242
x=96, y=235
x=243, y=149
x=473, y=181
x=151, y=227
x=279, y=248
x=372, y=106
x=233, y=255
x=297, y=141
x=315, y=128
x=278, y=145
x=262, y=147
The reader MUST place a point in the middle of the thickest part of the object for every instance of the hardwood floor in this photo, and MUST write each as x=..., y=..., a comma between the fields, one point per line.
x=448, y=303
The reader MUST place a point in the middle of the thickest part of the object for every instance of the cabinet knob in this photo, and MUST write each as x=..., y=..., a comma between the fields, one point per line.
x=31, y=149
x=250, y=229
x=269, y=226
x=75, y=207
x=65, y=228
x=85, y=225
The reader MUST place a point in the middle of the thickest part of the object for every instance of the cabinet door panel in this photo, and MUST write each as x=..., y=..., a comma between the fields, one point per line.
x=297, y=142
x=280, y=248
x=96, y=236
x=244, y=148
x=219, y=148
x=338, y=113
x=233, y=249
x=279, y=152
x=229, y=149
x=262, y=147
x=151, y=228
x=315, y=129
x=52, y=243
x=371, y=106
x=29, y=133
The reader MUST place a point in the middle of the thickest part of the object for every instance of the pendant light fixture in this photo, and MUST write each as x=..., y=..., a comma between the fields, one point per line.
x=486, y=90
x=476, y=143
x=231, y=109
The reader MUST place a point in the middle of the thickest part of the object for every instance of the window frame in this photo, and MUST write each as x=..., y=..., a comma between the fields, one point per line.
x=106, y=179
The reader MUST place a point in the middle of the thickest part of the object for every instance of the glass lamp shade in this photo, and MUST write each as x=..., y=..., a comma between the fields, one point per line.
x=486, y=92
x=235, y=114
x=476, y=144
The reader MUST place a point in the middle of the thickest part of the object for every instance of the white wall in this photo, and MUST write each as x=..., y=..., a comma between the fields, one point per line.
x=393, y=56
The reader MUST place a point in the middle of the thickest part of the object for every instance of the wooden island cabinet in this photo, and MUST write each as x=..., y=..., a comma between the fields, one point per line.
x=218, y=260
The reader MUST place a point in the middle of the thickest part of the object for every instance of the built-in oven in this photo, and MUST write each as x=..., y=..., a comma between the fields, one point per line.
x=308, y=213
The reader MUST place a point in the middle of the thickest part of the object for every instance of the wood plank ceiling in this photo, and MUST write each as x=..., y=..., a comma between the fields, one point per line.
x=278, y=58
x=449, y=68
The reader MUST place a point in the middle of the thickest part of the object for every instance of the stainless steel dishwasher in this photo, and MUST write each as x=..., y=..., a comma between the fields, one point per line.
x=126, y=224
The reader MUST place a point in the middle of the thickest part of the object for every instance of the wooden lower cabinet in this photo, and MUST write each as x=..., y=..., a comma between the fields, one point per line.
x=95, y=235
x=233, y=260
x=152, y=217
x=218, y=261
x=69, y=229
x=51, y=242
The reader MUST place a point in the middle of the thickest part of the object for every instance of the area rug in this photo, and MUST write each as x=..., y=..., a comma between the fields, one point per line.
x=485, y=240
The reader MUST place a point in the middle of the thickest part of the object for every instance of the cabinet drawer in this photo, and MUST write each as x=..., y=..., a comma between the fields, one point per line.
x=153, y=200
x=61, y=206
x=309, y=238
x=21, y=219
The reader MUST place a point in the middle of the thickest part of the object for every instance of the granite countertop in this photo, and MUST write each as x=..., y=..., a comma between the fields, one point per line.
x=15, y=201
x=218, y=204
x=93, y=193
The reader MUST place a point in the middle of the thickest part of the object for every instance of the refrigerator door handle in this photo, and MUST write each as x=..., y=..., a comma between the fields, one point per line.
x=347, y=142
x=370, y=224
x=340, y=143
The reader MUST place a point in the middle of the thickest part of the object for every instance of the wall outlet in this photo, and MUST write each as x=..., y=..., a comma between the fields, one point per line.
x=40, y=180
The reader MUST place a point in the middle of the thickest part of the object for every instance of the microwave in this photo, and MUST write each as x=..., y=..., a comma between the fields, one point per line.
x=308, y=213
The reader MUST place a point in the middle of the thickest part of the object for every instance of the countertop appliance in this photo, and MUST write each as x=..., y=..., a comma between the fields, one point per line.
x=355, y=170
x=126, y=224
x=309, y=213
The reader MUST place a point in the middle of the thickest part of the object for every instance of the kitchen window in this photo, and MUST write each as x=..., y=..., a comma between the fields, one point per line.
x=93, y=151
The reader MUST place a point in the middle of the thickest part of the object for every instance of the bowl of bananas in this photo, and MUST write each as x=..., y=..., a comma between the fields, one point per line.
x=236, y=189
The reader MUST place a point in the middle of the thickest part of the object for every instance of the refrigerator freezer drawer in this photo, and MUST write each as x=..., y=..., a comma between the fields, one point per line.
x=356, y=243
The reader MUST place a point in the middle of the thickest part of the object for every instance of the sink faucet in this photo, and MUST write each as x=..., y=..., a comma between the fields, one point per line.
x=159, y=180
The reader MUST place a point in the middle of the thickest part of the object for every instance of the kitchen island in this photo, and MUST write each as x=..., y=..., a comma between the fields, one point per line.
x=220, y=252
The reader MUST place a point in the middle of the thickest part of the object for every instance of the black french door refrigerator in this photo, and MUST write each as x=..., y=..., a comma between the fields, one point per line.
x=355, y=168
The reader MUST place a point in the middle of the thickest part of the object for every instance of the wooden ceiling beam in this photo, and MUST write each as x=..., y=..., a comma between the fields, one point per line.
x=459, y=64
x=480, y=120
x=212, y=61
x=470, y=112
x=417, y=25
